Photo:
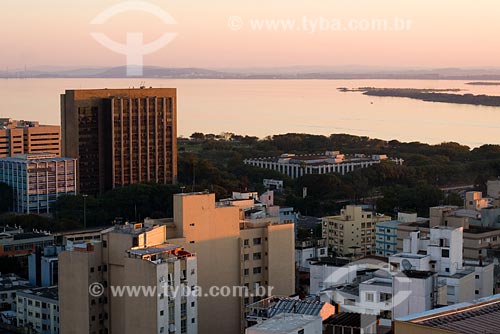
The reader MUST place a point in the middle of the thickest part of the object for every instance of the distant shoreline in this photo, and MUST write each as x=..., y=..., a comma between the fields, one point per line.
x=430, y=95
x=483, y=83
x=298, y=73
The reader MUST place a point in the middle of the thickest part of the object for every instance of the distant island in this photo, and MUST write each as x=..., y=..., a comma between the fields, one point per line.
x=483, y=83
x=429, y=95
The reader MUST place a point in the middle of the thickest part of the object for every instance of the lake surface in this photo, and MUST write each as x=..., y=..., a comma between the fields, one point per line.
x=266, y=107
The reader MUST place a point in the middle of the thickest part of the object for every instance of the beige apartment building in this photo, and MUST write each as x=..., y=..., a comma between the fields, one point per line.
x=234, y=249
x=24, y=137
x=131, y=255
x=352, y=233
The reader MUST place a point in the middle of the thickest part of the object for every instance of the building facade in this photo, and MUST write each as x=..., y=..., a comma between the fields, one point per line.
x=38, y=310
x=25, y=137
x=37, y=180
x=131, y=255
x=330, y=162
x=120, y=136
x=17, y=242
x=10, y=284
x=387, y=233
x=477, y=240
x=248, y=246
x=43, y=266
x=352, y=233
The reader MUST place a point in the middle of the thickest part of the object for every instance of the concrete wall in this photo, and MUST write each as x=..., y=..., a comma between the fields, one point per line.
x=75, y=276
x=213, y=234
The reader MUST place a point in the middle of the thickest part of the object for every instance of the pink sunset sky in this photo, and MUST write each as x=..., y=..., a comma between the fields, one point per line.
x=443, y=33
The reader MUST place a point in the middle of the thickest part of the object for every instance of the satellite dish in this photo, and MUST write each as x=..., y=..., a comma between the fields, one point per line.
x=406, y=264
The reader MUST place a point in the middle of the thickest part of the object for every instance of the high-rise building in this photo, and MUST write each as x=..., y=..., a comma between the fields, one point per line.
x=120, y=136
x=133, y=256
x=352, y=233
x=37, y=180
x=239, y=242
x=23, y=137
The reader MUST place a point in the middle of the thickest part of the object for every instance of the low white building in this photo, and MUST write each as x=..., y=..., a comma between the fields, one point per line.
x=330, y=272
x=9, y=285
x=288, y=323
x=330, y=162
x=416, y=291
x=307, y=251
x=38, y=310
x=271, y=184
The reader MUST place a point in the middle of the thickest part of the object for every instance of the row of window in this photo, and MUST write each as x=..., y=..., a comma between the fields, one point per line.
x=256, y=270
x=256, y=256
x=256, y=241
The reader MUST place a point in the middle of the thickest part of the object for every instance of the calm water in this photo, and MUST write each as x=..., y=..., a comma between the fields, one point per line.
x=265, y=107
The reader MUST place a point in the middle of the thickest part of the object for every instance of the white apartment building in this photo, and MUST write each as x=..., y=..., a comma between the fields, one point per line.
x=465, y=280
x=38, y=310
x=307, y=251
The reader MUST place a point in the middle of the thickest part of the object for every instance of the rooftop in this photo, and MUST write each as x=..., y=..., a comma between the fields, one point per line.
x=480, y=316
x=331, y=261
x=378, y=282
x=49, y=292
x=13, y=282
x=391, y=223
x=417, y=273
x=327, y=158
x=164, y=248
x=269, y=307
x=286, y=322
x=353, y=320
x=35, y=157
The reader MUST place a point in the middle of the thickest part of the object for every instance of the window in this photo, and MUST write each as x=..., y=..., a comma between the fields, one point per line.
x=445, y=252
x=477, y=276
x=476, y=292
x=246, y=257
x=245, y=272
x=246, y=242
x=369, y=297
x=257, y=270
x=301, y=331
x=447, y=270
x=257, y=256
x=257, y=241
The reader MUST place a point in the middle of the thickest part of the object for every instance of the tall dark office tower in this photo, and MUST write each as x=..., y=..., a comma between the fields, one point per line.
x=120, y=136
